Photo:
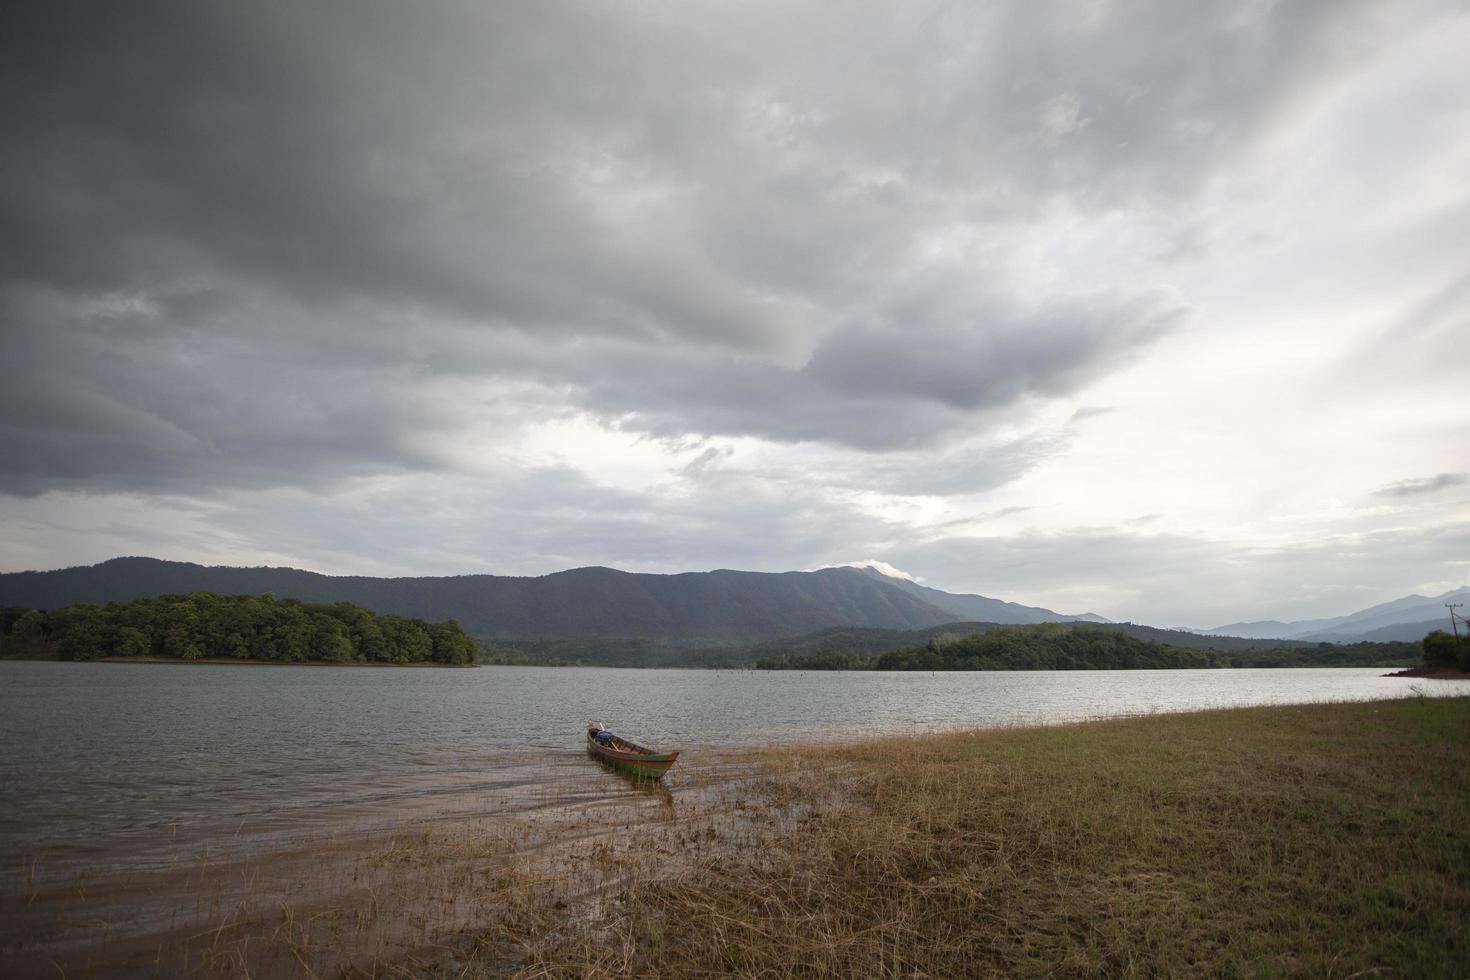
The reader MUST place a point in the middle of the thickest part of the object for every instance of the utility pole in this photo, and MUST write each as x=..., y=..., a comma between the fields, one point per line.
x=1452, y=606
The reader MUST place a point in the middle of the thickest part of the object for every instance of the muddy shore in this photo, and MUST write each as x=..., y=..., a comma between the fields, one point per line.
x=378, y=899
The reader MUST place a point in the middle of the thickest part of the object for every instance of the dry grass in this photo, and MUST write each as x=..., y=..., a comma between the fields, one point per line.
x=1327, y=840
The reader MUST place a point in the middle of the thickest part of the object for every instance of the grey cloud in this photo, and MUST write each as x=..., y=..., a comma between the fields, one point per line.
x=1422, y=486
x=954, y=473
x=706, y=461
x=990, y=359
x=330, y=218
x=113, y=403
x=457, y=159
x=1090, y=411
x=877, y=388
x=192, y=392
x=968, y=468
x=505, y=160
x=972, y=521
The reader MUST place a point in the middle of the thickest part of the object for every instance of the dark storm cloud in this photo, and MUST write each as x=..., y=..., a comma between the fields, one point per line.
x=447, y=158
x=1425, y=485
x=256, y=244
x=887, y=386
x=983, y=360
x=103, y=399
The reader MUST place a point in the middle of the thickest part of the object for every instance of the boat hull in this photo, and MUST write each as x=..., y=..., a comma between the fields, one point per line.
x=630, y=758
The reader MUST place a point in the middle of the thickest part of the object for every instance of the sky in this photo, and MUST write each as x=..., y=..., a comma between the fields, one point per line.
x=1147, y=309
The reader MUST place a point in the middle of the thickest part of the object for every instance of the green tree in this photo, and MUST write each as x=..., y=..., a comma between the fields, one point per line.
x=79, y=632
x=1441, y=651
x=131, y=642
x=329, y=640
x=27, y=637
x=450, y=644
x=204, y=624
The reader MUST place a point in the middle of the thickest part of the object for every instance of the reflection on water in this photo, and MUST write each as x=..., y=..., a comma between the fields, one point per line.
x=637, y=783
x=128, y=766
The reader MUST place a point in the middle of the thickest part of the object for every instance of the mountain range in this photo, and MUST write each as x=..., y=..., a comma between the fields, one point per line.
x=718, y=609
x=694, y=609
x=1409, y=618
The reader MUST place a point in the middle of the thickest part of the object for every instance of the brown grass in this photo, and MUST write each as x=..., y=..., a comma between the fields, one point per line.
x=1328, y=840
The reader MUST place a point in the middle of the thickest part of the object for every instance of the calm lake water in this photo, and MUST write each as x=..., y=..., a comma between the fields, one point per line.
x=109, y=767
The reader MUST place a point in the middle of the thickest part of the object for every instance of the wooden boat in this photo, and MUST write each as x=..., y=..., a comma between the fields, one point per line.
x=628, y=756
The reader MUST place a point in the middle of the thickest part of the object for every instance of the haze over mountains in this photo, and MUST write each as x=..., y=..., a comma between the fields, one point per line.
x=1409, y=618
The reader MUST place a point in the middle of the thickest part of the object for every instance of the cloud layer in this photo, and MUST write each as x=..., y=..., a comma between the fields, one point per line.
x=874, y=269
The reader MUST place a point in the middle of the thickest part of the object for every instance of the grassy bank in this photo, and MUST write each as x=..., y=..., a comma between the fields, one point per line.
x=1326, y=840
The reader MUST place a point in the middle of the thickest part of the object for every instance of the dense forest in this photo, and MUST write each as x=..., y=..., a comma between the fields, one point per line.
x=203, y=625
x=1084, y=646
x=847, y=641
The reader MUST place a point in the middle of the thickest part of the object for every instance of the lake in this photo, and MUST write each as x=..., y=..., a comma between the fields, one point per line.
x=118, y=767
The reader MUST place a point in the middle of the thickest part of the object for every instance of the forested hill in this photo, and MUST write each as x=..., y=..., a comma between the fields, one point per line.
x=865, y=642
x=202, y=626
x=1063, y=646
x=695, y=609
x=1048, y=648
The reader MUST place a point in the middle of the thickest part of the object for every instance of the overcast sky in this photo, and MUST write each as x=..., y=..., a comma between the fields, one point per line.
x=1150, y=309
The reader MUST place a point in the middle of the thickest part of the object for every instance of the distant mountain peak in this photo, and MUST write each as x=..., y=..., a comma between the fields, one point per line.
x=975, y=607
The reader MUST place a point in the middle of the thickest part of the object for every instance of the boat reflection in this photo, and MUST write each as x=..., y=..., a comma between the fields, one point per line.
x=641, y=784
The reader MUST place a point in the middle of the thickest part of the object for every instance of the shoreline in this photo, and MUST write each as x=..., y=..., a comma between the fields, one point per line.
x=231, y=662
x=250, y=662
x=1227, y=840
x=1434, y=675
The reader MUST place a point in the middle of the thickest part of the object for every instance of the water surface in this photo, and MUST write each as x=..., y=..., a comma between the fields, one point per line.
x=113, y=766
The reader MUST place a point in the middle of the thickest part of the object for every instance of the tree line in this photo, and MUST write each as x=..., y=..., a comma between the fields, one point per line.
x=1082, y=646
x=203, y=625
x=1049, y=647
